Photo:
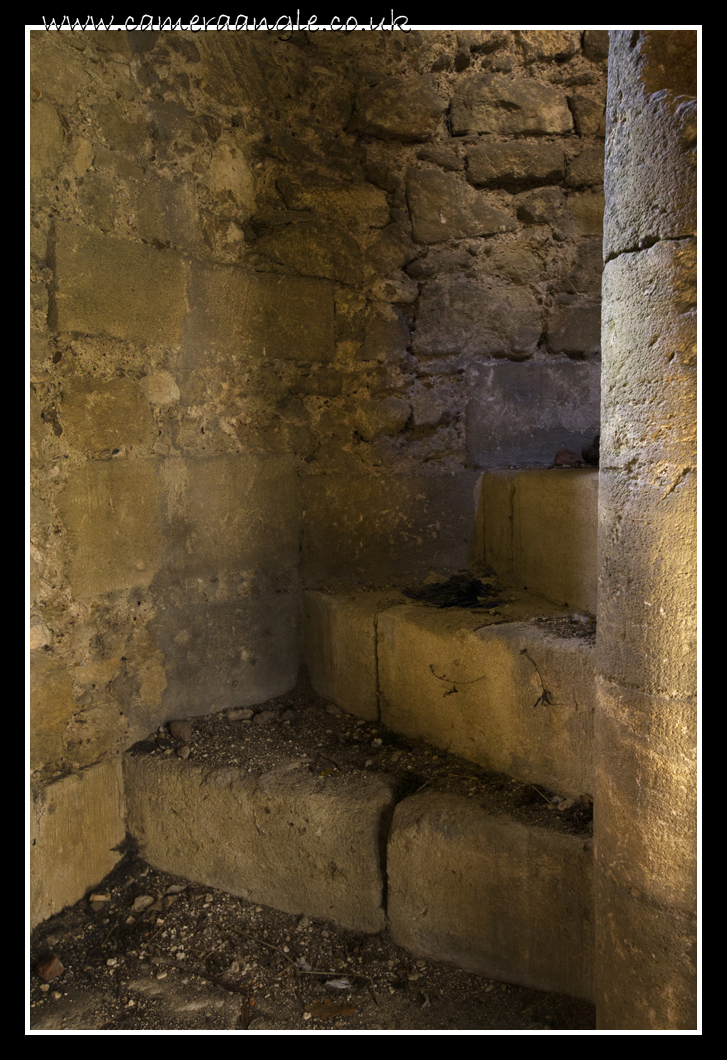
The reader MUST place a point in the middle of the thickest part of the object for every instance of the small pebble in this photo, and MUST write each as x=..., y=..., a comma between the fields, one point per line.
x=240, y=714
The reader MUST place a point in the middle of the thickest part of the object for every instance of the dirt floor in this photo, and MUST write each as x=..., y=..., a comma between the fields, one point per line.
x=146, y=951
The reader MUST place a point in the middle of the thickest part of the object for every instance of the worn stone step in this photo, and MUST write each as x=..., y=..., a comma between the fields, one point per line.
x=451, y=876
x=490, y=894
x=539, y=530
x=510, y=689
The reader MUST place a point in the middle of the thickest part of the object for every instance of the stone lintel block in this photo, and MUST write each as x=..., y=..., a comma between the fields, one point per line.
x=76, y=824
x=386, y=528
x=110, y=513
x=340, y=647
x=523, y=414
x=492, y=895
x=286, y=838
x=106, y=286
x=476, y=691
x=260, y=316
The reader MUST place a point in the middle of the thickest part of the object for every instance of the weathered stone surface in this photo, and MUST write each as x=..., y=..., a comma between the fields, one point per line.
x=445, y=156
x=497, y=717
x=229, y=173
x=55, y=72
x=285, y=317
x=160, y=388
x=515, y=163
x=296, y=842
x=523, y=414
x=586, y=168
x=46, y=140
x=429, y=407
x=659, y=612
x=596, y=44
x=109, y=287
x=347, y=202
x=575, y=330
x=493, y=103
x=646, y=741
x=410, y=524
x=52, y=703
x=229, y=513
x=548, y=44
x=586, y=275
x=111, y=517
x=589, y=115
x=652, y=158
x=401, y=108
x=520, y=261
x=386, y=335
x=587, y=209
x=657, y=341
x=167, y=213
x=229, y=653
x=314, y=248
x=546, y=206
x=446, y=259
x=75, y=826
x=102, y=159
x=380, y=416
x=391, y=249
x=541, y=530
x=443, y=207
x=647, y=751
x=105, y=414
x=491, y=895
x=340, y=647
x=460, y=315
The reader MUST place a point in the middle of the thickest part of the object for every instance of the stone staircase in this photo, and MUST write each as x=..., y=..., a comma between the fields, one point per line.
x=510, y=689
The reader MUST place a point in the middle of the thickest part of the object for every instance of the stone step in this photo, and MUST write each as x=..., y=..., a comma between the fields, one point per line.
x=539, y=530
x=450, y=876
x=510, y=689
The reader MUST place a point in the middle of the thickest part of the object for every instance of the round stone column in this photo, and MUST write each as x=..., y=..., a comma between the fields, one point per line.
x=645, y=744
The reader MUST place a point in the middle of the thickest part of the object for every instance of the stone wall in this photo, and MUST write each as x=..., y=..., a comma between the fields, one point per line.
x=289, y=297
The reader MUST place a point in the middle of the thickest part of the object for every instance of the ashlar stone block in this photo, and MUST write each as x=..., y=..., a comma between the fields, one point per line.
x=107, y=286
x=491, y=895
x=286, y=838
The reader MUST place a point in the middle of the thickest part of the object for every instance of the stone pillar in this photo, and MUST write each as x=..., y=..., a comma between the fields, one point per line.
x=646, y=718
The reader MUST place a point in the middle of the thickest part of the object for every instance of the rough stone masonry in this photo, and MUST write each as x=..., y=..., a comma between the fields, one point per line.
x=289, y=299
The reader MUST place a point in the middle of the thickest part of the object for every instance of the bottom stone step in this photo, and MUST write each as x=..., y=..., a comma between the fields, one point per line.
x=323, y=818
